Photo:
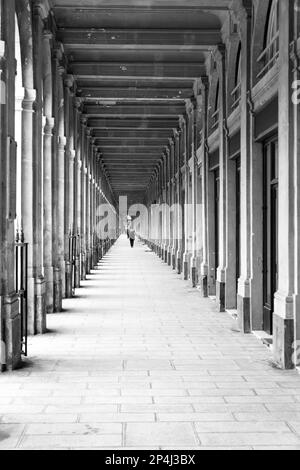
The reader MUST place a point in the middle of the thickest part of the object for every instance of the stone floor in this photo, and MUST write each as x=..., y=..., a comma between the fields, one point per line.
x=140, y=361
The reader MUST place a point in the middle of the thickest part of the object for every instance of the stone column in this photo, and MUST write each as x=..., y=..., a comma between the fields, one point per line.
x=171, y=201
x=250, y=178
x=180, y=202
x=174, y=153
x=204, y=269
x=77, y=190
x=83, y=197
x=186, y=176
x=10, y=321
x=39, y=324
x=47, y=170
x=61, y=182
x=88, y=200
x=56, y=154
x=194, y=165
x=223, y=133
x=284, y=333
x=69, y=180
x=295, y=55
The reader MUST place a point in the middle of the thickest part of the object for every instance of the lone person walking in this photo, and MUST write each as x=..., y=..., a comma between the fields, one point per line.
x=131, y=236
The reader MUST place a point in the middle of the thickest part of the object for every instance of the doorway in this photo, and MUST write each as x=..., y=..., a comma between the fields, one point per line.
x=270, y=230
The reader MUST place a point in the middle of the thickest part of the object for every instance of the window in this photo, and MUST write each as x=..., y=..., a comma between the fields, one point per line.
x=270, y=53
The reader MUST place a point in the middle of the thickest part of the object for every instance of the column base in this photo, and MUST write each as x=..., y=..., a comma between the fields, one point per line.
x=173, y=259
x=77, y=272
x=243, y=309
x=83, y=267
x=203, y=281
x=185, y=267
x=49, y=289
x=57, y=291
x=40, y=306
x=220, y=295
x=69, y=290
x=169, y=256
x=283, y=342
x=194, y=271
x=11, y=332
x=179, y=262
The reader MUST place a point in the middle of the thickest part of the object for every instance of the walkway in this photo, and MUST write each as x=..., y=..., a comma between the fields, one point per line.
x=139, y=360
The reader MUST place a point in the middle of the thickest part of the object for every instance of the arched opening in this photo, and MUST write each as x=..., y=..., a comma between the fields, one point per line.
x=270, y=54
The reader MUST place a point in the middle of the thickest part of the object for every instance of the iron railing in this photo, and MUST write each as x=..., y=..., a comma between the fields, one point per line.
x=22, y=287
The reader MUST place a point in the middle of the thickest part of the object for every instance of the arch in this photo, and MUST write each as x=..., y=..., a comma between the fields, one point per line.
x=234, y=71
x=264, y=31
x=212, y=98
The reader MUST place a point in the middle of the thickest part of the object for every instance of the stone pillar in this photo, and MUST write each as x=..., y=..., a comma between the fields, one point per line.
x=174, y=156
x=77, y=191
x=171, y=201
x=83, y=198
x=10, y=321
x=194, y=166
x=284, y=332
x=48, y=176
x=204, y=269
x=61, y=183
x=247, y=158
x=295, y=55
x=39, y=323
x=57, y=154
x=180, y=234
x=186, y=176
x=88, y=200
x=48, y=225
x=223, y=133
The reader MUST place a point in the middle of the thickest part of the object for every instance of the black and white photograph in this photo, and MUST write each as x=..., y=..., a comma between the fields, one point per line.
x=149, y=228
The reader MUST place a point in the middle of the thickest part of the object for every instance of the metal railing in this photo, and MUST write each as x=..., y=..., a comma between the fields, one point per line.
x=22, y=287
x=216, y=119
x=236, y=96
x=72, y=258
x=269, y=56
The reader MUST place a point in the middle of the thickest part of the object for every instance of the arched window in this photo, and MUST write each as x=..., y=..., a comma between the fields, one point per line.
x=270, y=53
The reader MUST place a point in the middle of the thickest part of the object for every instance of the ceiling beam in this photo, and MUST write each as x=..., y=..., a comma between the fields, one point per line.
x=81, y=39
x=147, y=70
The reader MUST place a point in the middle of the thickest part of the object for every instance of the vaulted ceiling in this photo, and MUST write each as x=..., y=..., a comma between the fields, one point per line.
x=135, y=63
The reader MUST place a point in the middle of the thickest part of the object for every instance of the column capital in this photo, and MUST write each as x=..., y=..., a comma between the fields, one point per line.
x=62, y=142
x=171, y=142
x=41, y=8
x=48, y=35
x=69, y=81
x=83, y=121
x=77, y=102
x=49, y=124
x=242, y=9
x=29, y=99
x=57, y=51
x=61, y=70
x=219, y=53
